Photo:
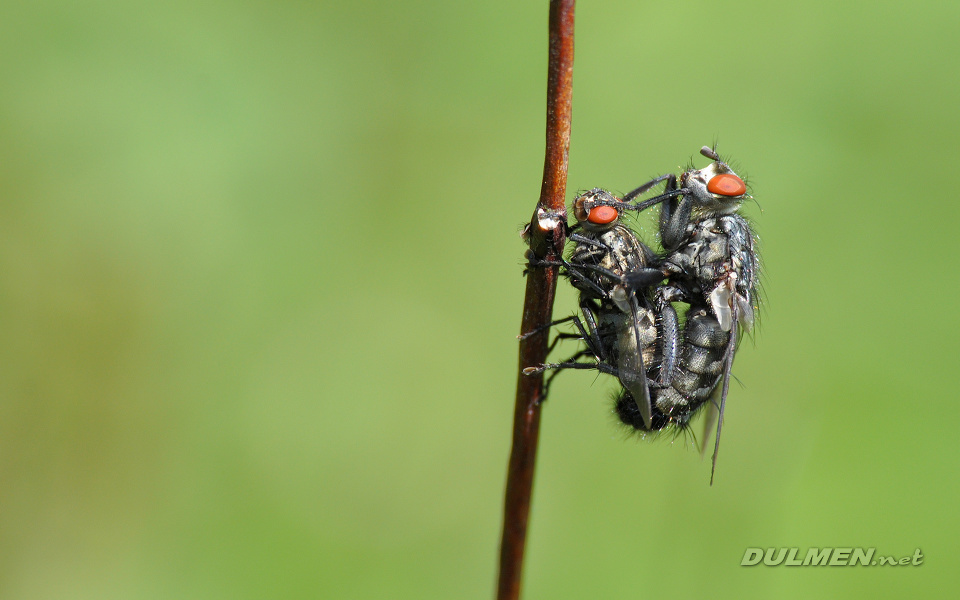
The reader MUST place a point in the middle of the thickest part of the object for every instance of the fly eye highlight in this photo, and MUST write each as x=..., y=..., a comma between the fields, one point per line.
x=727, y=184
x=601, y=215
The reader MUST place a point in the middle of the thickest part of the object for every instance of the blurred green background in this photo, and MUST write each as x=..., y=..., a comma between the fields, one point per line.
x=260, y=283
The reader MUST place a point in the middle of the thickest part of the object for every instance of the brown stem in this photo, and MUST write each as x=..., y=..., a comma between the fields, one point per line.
x=546, y=235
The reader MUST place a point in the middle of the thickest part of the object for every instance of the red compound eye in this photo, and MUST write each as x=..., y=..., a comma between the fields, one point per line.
x=727, y=184
x=601, y=215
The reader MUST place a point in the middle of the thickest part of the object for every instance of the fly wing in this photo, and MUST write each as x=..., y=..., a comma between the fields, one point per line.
x=709, y=420
x=630, y=367
x=727, y=370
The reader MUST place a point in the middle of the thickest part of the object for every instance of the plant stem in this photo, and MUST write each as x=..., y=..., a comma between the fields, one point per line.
x=546, y=235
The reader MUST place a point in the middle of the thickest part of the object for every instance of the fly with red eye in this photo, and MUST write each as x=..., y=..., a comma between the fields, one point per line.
x=711, y=263
x=620, y=327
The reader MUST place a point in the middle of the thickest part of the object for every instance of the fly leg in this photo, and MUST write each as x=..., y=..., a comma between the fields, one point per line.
x=674, y=218
x=594, y=347
x=669, y=333
x=576, y=271
x=668, y=330
x=670, y=192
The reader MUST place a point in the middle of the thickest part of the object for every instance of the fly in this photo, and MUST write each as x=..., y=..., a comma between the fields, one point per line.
x=710, y=263
x=614, y=270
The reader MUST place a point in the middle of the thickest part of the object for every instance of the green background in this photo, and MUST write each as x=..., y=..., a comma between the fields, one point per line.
x=260, y=283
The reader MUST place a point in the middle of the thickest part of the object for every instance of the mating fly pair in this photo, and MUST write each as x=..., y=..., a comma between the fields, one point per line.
x=630, y=327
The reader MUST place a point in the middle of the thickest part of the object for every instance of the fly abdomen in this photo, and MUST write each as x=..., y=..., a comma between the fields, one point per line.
x=702, y=361
x=703, y=330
